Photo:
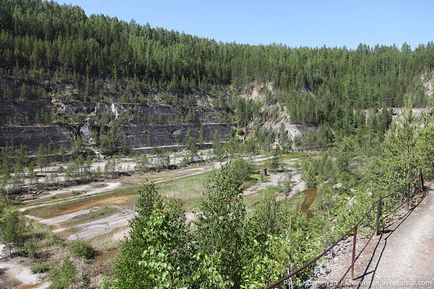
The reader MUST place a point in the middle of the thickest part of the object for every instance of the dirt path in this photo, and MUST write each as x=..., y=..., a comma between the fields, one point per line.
x=405, y=256
x=102, y=226
x=402, y=257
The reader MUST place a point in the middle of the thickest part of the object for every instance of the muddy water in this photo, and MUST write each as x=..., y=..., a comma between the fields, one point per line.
x=309, y=198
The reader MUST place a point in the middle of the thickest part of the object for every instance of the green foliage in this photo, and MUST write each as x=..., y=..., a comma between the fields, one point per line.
x=425, y=148
x=220, y=223
x=31, y=248
x=11, y=229
x=317, y=85
x=105, y=284
x=230, y=249
x=143, y=163
x=41, y=267
x=112, y=140
x=63, y=276
x=156, y=253
x=267, y=264
x=268, y=218
x=53, y=239
x=274, y=161
x=191, y=143
x=239, y=169
x=315, y=171
x=217, y=147
x=398, y=163
x=162, y=158
x=81, y=249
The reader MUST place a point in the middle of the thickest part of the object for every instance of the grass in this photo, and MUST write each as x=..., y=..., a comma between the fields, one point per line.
x=188, y=190
x=93, y=215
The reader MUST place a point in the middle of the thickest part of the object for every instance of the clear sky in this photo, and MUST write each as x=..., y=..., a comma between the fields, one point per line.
x=294, y=23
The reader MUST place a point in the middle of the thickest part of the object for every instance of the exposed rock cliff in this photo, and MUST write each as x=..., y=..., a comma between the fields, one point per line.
x=62, y=116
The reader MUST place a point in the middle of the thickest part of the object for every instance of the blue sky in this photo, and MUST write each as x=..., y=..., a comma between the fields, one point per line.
x=310, y=23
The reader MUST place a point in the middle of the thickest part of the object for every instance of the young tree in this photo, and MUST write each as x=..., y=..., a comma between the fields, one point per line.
x=6, y=177
x=217, y=147
x=220, y=225
x=63, y=277
x=143, y=163
x=191, y=144
x=425, y=149
x=11, y=229
x=157, y=252
x=399, y=161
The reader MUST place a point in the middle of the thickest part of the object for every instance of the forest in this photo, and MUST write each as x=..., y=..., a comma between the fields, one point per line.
x=40, y=39
x=370, y=134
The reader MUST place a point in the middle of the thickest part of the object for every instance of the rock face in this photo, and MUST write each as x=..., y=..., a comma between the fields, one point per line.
x=168, y=135
x=34, y=136
x=23, y=112
x=51, y=113
x=145, y=126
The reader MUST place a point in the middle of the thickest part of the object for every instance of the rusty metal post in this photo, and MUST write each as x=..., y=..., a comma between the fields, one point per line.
x=353, y=255
x=378, y=217
x=408, y=197
x=422, y=187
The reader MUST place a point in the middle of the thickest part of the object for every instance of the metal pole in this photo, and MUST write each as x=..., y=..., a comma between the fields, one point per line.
x=377, y=220
x=422, y=187
x=353, y=256
x=408, y=197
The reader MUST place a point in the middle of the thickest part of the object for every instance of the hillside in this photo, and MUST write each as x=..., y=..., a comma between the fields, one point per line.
x=91, y=76
x=136, y=157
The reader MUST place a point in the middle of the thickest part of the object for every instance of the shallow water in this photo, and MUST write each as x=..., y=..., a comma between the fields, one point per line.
x=309, y=198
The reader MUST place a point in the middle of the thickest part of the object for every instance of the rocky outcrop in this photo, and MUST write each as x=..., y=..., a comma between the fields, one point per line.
x=282, y=124
x=60, y=117
x=168, y=135
x=24, y=112
x=34, y=136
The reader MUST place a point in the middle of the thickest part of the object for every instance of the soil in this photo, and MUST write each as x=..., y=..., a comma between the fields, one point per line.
x=402, y=257
x=273, y=181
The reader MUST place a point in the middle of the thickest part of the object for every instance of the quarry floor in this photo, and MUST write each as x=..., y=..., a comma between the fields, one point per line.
x=100, y=212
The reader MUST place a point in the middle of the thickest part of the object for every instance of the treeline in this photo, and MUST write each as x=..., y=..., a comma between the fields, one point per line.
x=47, y=39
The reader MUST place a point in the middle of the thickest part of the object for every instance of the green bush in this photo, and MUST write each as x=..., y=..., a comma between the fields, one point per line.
x=240, y=169
x=81, y=249
x=53, y=239
x=31, y=248
x=41, y=267
x=63, y=277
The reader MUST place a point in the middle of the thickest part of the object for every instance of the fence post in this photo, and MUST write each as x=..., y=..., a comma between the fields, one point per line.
x=422, y=187
x=378, y=217
x=353, y=255
x=408, y=197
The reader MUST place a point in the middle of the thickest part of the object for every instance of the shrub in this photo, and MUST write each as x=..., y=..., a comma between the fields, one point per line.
x=81, y=249
x=31, y=248
x=41, y=267
x=53, y=239
x=240, y=169
x=64, y=276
